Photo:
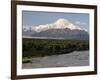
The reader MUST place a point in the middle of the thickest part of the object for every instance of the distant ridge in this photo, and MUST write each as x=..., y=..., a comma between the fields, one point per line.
x=61, y=29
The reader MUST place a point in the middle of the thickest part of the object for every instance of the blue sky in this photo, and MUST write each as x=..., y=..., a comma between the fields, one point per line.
x=31, y=18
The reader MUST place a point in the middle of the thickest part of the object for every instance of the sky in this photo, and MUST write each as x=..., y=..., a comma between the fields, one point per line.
x=34, y=18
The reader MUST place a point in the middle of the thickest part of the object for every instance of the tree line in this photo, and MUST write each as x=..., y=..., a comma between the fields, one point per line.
x=44, y=47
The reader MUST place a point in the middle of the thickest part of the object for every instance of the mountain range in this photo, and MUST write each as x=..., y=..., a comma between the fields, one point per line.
x=60, y=29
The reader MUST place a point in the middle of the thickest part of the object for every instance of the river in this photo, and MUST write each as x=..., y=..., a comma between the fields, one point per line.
x=76, y=58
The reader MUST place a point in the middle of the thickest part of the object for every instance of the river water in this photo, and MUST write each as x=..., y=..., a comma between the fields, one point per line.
x=76, y=58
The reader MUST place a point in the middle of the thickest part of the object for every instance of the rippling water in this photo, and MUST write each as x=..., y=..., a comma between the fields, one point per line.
x=76, y=58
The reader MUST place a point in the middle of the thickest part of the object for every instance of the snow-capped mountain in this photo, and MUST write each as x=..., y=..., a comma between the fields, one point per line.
x=59, y=24
x=61, y=28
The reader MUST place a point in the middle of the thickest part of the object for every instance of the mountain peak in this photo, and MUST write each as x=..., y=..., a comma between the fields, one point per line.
x=62, y=22
x=58, y=24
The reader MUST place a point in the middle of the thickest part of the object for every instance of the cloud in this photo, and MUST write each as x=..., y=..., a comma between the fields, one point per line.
x=80, y=23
